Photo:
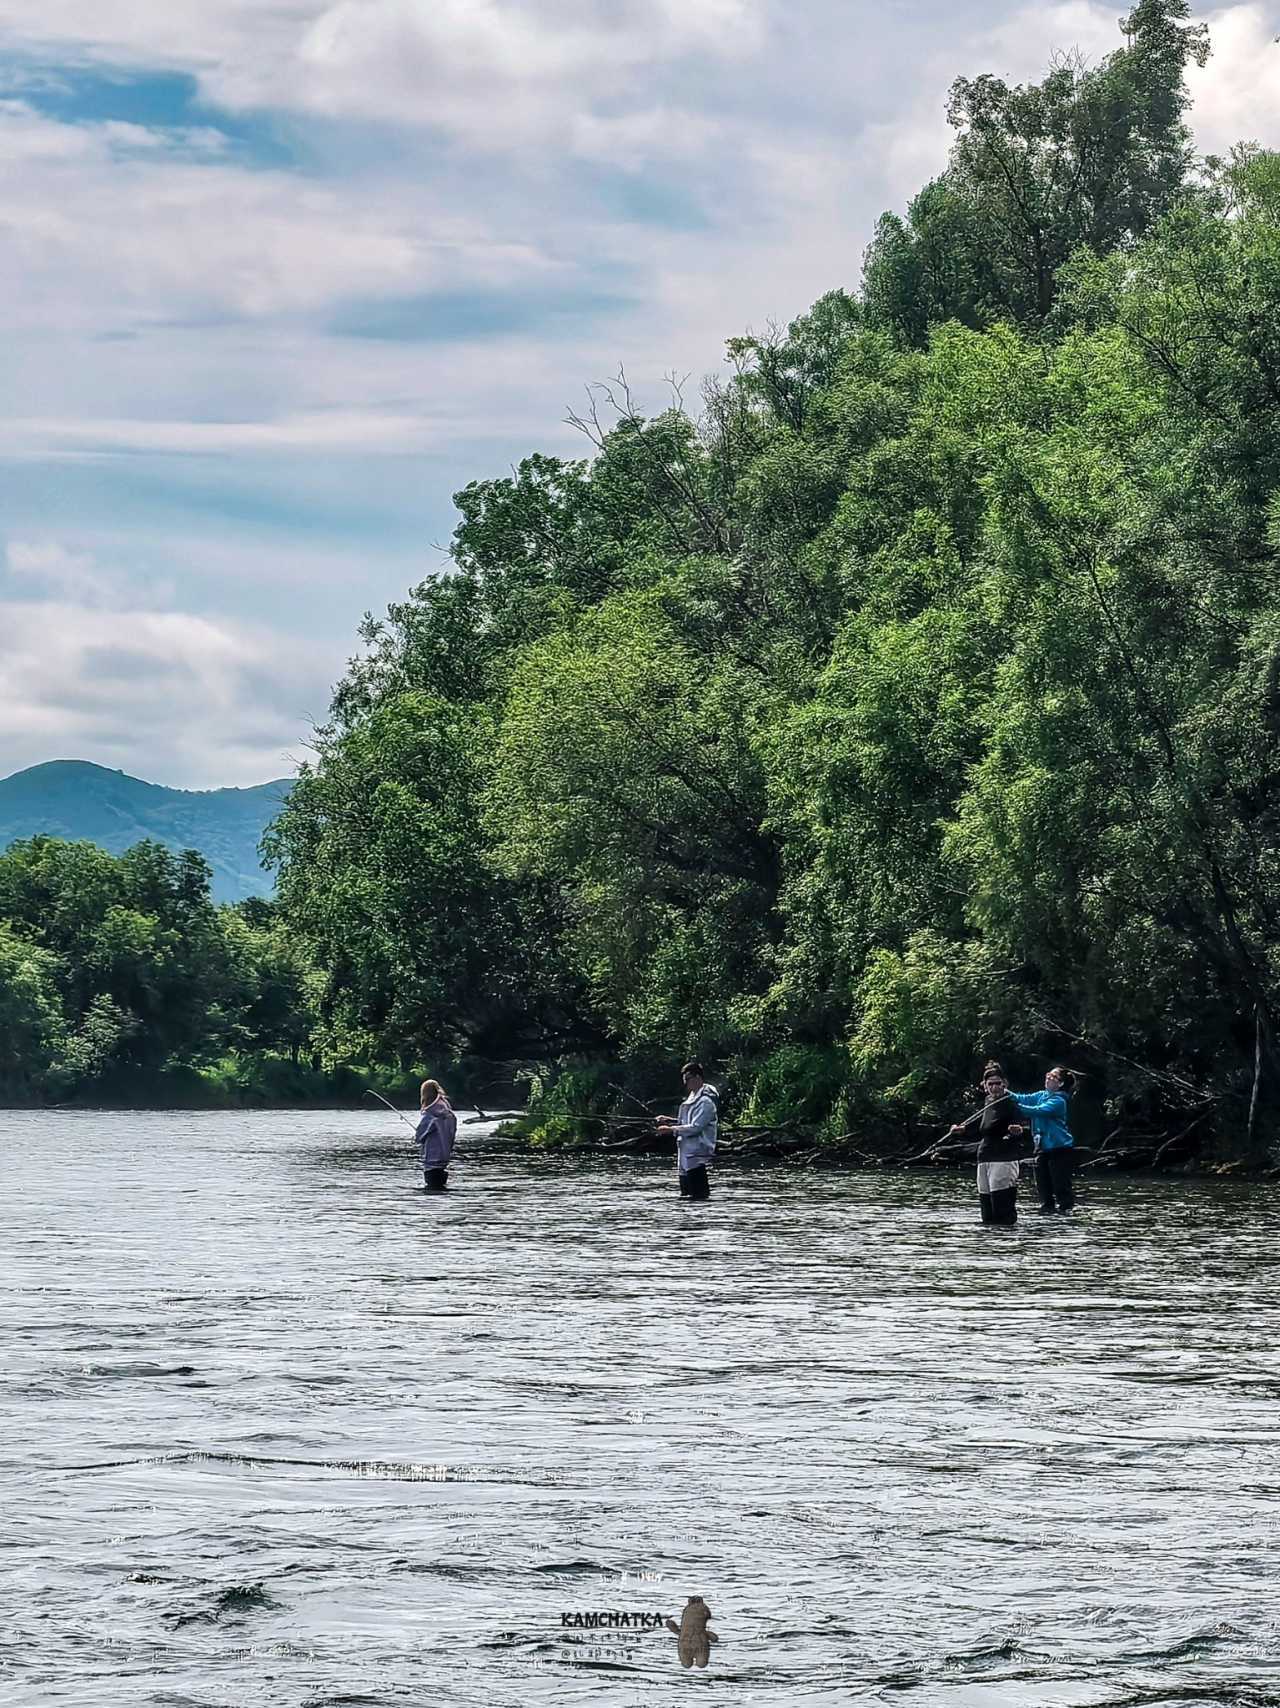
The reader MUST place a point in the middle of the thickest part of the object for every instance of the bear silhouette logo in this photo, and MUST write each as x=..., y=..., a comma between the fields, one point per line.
x=695, y=1638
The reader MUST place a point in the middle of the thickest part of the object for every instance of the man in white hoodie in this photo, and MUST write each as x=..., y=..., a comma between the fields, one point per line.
x=695, y=1131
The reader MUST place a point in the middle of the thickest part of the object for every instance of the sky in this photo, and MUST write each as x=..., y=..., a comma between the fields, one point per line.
x=278, y=277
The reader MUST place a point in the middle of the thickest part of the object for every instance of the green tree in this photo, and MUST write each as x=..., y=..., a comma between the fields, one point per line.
x=279, y=985
x=625, y=771
x=1090, y=156
x=385, y=877
x=33, y=1026
x=135, y=938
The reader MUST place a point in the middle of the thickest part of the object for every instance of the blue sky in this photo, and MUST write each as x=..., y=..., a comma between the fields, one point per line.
x=280, y=276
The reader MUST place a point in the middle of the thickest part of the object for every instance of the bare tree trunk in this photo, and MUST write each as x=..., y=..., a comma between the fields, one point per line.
x=1257, y=1076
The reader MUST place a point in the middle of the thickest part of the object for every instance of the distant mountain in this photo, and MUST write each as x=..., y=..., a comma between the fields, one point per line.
x=87, y=803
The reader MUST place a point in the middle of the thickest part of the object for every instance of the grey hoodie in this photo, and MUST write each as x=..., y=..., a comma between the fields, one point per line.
x=695, y=1129
x=437, y=1129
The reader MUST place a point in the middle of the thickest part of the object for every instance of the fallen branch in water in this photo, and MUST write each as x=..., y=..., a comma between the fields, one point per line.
x=1178, y=1139
x=1123, y=1148
x=844, y=1146
x=1117, y=1160
x=775, y=1141
x=936, y=1153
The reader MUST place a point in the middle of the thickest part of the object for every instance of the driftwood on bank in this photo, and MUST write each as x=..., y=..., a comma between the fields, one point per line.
x=1121, y=1150
x=1128, y=1150
x=746, y=1142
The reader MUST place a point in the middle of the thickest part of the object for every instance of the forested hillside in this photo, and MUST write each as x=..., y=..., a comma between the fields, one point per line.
x=913, y=694
x=76, y=801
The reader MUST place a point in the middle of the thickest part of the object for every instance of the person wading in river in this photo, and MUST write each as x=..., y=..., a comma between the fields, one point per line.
x=1055, y=1147
x=437, y=1129
x=695, y=1128
x=1000, y=1144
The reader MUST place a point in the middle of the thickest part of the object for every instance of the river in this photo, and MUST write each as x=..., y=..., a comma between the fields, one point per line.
x=278, y=1429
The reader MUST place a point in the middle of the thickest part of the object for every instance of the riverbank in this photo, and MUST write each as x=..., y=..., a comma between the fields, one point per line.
x=276, y=1082
x=1122, y=1121
x=231, y=1085
x=574, y=1110
x=765, y=1147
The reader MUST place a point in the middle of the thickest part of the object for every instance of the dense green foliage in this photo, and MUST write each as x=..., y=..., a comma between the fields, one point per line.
x=121, y=970
x=919, y=696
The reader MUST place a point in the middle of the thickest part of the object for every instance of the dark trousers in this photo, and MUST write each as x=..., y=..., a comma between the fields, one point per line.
x=437, y=1179
x=694, y=1182
x=1053, y=1178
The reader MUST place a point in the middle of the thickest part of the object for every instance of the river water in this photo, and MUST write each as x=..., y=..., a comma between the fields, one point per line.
x=278, y=1429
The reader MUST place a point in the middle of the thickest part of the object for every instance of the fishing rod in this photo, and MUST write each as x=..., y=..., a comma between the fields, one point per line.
x=519, y=1114
x=582, y=1115
x=632, y=1098
x=1004, y=1097
x=396, y=1112
x=455, y=1161
x=977, y=1115
x=619, y=1120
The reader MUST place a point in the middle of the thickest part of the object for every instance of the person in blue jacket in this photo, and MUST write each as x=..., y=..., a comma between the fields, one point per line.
x=1055, y=1147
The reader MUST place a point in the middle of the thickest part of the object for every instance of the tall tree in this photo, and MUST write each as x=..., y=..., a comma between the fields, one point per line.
x=1090, y=156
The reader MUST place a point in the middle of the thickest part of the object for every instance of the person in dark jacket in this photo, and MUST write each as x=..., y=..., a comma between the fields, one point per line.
x=1055, y=1146
x=1000, y=1146
x=437, y=1129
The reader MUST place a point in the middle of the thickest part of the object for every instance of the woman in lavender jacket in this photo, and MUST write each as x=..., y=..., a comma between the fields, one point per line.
x=437, y=1129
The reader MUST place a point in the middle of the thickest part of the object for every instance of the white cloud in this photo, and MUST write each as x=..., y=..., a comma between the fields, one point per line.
x=1237, y=94
x=29, y=139
x=317, y=430
x=170, y=297
x=164, y=694
x=59, y=571
x=105, y=227
x=50, y=570
x=499, y=73
x=634, y=140
x=101, y=232
x=181, y=33
x=495, y=73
